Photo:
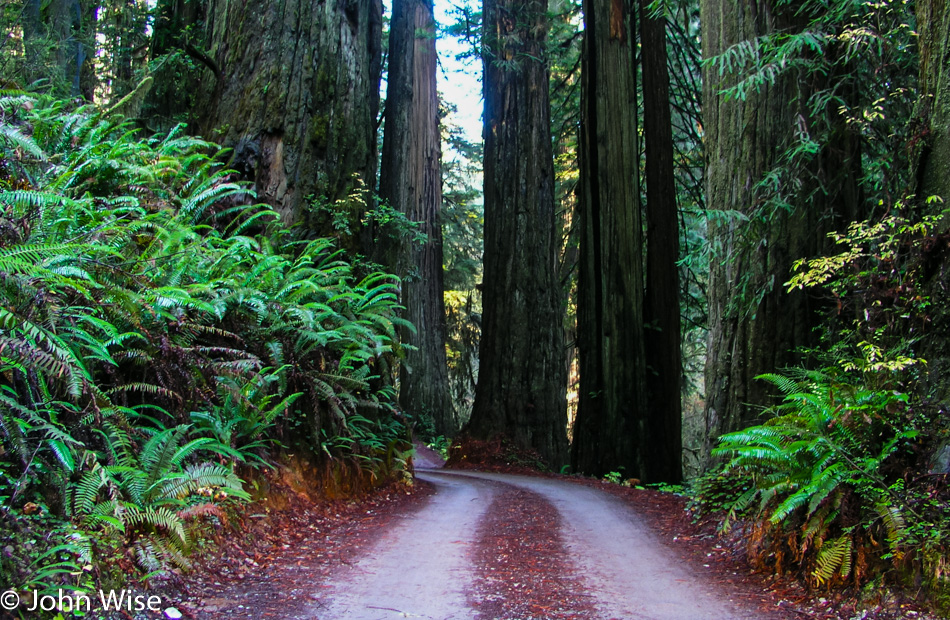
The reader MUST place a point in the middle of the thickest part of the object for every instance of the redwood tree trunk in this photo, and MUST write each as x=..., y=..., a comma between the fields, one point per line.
x=743, y=139
x=610, y=431
x=933, y=164
x=755, y=326
x=411, y=181
x=522, y=376
x=293, y=86
x=662, y=303
x=933, y=22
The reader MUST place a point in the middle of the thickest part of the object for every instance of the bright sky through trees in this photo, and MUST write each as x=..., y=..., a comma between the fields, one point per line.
x=459, y=80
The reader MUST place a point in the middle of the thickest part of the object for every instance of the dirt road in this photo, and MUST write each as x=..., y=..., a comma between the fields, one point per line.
x=422, y=567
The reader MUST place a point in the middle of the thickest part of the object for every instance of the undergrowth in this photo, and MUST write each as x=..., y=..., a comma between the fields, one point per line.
x=836, y=483
x=158, y=328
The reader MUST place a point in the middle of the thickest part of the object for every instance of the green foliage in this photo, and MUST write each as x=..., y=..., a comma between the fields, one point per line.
x=874, y=286
x=832, y=479
x=440, y=443
x=826, y=445
x=156, y=329
x=463, y=221
x=850, y=69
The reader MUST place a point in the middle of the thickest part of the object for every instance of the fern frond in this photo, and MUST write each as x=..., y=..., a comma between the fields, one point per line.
x=834, y=558
x=17, y=140
x=894, y=524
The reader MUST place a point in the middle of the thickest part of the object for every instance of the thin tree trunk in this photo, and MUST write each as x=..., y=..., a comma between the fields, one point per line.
x=411, y=181
x=610, y=432
x=662, y=303
x=522, y=377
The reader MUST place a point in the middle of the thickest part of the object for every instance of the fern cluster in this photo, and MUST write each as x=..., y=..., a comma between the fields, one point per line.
x=156, y=328
x=818, y=471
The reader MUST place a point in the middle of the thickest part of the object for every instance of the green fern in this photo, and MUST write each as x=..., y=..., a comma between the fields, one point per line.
x=834, y=558
x=827, y=440
x=140, y=306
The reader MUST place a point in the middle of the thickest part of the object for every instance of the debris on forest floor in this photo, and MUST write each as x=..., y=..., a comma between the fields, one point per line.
x=725, y=559
x=522, y=568
x=270, y=563
x=425, y=457
x=498, y=454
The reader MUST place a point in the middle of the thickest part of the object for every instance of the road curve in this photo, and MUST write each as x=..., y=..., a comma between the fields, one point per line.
x=624, y=567
x=421, y=568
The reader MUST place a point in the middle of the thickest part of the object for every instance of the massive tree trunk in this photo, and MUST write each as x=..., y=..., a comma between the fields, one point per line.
x=610, y=431
x=522, y=376
x=411, y=181
x=750, y=327
x=933, y=178
x=755, y=326
x=662, y=302
x=295, y=91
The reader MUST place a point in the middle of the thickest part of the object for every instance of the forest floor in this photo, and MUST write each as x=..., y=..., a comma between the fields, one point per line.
x=473, y=544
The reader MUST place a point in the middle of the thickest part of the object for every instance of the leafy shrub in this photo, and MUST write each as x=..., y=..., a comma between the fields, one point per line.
x=156, y=328
x=831, y=480
x=823, y=452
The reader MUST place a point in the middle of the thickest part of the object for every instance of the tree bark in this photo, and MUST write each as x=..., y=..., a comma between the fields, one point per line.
x=611, y=430
x=662, y=302
x=755, y=326
x=522, y=376
x=297, y=97
x=932, y=140
x=742, y=142
x=933, y=20
x=411, y=182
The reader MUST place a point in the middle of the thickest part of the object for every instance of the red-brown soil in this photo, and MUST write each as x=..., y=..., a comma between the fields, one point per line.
x=274, y=567
x=275, y=564
x=725, y=561
x=522, y=568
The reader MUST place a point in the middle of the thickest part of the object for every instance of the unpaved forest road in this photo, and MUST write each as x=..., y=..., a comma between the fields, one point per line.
x=421, y=568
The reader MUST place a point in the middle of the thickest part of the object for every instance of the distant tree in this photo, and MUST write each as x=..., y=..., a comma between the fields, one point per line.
x=411, y=182
x=662, y=298
x=522, y=376
x=55, y=44
x=610, y=430
x=176, y=60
